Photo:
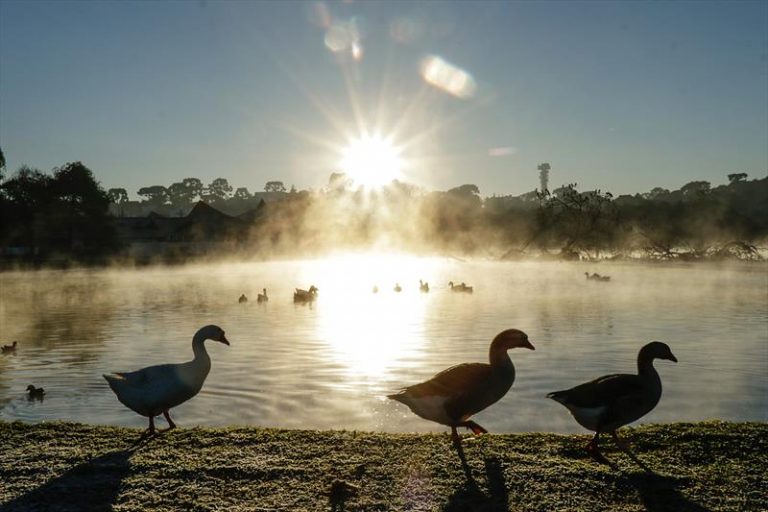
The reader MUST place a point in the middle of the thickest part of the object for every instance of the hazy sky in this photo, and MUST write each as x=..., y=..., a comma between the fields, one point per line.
x=623, y=96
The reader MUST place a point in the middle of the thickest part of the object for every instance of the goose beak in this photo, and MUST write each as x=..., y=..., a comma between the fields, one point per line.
x=528, y=345
x=672, y=357
x=224, y=340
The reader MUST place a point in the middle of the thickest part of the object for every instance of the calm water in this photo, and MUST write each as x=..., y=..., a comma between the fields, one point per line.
x=330, y=364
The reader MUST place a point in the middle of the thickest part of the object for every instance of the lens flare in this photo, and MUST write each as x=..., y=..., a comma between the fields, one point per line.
x=447, y=77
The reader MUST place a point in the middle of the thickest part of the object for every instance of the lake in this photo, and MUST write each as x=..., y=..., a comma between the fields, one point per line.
x=329, y=365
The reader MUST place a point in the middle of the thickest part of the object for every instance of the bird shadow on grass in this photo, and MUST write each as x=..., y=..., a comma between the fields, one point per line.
x=660, y=493
x=470, y=497
x=90, y=485
x=657, y=492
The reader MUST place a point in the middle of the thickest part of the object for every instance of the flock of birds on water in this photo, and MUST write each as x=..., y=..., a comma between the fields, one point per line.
x=309, y=295
x=450, y=398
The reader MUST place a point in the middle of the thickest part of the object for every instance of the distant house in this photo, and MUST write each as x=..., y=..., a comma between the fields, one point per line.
x=202, y=230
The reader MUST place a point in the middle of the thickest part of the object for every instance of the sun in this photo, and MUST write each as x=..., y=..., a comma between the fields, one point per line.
x=371, y=161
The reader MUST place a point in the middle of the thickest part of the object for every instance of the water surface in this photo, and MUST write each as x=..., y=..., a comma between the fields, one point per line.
x=329, y=365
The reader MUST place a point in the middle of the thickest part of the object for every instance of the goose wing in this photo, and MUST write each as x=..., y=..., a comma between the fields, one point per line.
x=154, y=389
x=464, y=386
x=453, y=381
x=602, y=392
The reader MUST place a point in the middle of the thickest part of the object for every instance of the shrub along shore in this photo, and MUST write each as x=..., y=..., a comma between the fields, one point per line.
x=698, y=467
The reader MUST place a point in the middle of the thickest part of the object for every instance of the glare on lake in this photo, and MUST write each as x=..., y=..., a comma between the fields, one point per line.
x=329, y=364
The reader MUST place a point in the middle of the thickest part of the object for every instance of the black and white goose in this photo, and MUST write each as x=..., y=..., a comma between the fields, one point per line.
x=612, y=401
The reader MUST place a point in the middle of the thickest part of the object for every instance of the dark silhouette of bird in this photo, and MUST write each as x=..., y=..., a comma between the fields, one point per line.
x=612, y=401
x=452, y=396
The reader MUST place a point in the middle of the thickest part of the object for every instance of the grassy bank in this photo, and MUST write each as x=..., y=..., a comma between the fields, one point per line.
x=64, y=466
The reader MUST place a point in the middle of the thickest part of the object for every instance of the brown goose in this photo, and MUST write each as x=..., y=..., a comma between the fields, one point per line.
x=305, y=295
x=7, y=349
x=612, y=401
x=262, y=296
x=460, y=287
x=452, y=396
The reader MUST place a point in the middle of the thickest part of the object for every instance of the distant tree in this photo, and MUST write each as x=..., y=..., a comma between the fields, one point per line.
x=2, y=165
x=293, y=189
x=695, y=189
x=274, y=186
x=79, y=220
x=656, y=193
x=156, y=195
x=737, y=177
x=25, y=201
x=220, y=189
x=577, y=220
x=242, y=193
x=28, y=188
x=118, y=195
x=467, y=190
x=194, y=188
x=180, y=194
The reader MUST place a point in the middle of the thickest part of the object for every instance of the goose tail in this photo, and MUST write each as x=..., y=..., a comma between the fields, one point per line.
x=558, y=396
x=400, y=396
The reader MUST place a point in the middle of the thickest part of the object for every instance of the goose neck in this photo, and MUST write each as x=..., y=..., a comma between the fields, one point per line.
x=499, y=357
x=645, y=367
x=198, y=348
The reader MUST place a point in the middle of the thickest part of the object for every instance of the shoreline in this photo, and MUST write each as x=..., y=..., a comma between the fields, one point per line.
x=68, y=466
x=125, y=265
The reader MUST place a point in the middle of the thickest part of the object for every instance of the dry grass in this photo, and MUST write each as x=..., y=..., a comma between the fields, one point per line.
x=65, y=466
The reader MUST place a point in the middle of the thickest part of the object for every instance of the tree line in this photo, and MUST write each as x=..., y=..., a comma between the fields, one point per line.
x=66, y=214
x=190, y=190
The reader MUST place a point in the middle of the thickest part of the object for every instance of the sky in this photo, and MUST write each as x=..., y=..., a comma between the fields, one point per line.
x=621, y=96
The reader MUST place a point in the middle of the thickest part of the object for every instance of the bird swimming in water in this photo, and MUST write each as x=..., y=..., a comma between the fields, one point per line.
x=463, y=288
x=262, y=296
x=242, y=299
x=305, y=295
x=34, y=393
x=7, y=349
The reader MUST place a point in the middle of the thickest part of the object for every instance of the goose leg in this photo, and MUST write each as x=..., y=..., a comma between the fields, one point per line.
x=593, y=450
x=455, y=438
x=151, y=425
x=474, y=427
x=171, y=424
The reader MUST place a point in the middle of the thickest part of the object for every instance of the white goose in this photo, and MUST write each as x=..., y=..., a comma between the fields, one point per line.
x=156, y=389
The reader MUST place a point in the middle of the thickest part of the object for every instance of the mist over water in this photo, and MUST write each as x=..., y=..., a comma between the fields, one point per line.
x=329, y=364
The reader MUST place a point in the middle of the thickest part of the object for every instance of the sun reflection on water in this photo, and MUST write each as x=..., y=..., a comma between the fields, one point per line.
x=370, y=333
